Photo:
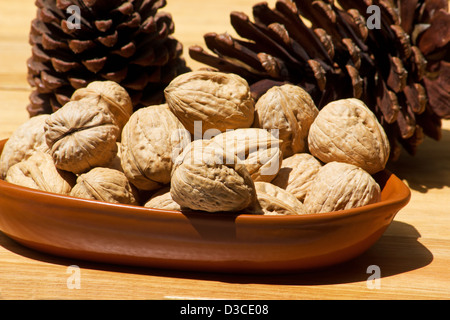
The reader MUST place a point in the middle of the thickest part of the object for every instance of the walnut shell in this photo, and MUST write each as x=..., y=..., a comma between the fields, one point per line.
x=346, y=130
x=151, y=140
x=297, y=173
x=256, y=148
x=110, y=95
x=162, y=199
x=273, y=200
x=116, y=162
x=81, y=136
x=340, y=186
x=39, y=172
x=105, y=184
x=289, y=109
x=203, y=179
x=23, y=142
x=218, y=100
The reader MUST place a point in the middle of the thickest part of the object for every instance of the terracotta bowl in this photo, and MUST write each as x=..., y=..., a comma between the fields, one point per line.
x=132, y=235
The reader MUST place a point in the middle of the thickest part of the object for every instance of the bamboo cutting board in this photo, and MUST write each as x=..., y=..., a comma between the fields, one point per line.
x=413, y=255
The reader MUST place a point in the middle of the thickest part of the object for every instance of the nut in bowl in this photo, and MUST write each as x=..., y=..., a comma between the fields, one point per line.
x=210, y=212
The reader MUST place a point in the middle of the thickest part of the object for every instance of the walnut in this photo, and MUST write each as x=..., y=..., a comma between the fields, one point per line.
x=23, y=142
x=339, y=186
x=291, y=110
x=81, y=136
x=297, y=173
x=217, y=100
x=206, y=178
x=105, y=184
x=116, y=162
x=273, y=200
x=110, y=95
x=346, y=130
x=256, y=148
x=151, y=140
x=162, y=199
x=39, y=172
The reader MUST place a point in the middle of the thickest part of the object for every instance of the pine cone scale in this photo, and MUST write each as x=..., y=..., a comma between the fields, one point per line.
x=399, y=69
x=127, y=41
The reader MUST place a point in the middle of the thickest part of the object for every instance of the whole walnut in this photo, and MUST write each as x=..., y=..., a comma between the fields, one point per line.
x=339, y=186
x=81, y=136
x=289, y=109
x=23, y=142
x=272, y=200
x=39, y=172
x=206, y=178
x=256, y=148
x=110, y=95
x=162, y=199
x=297, y=173
x=105, y=184
x=214, y=100
x=151, y=140
x=346, y=130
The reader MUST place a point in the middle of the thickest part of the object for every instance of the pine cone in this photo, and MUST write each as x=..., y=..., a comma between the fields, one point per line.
x=126, y=41
x=336, y=55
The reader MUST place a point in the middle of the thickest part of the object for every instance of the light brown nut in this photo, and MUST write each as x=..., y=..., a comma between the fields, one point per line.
x=204, y=180
x=151, y=140
x=162, y=199
x=340, y=186
x=346, y=130
x=297, y=173
x=217, y=100
x=256, y=148
x=291, y=110
x=81, y=136
x=116, y=162
x=39, y=172
x=23, y=142
x=273, y=200
x=109, y=94
x=105, y=184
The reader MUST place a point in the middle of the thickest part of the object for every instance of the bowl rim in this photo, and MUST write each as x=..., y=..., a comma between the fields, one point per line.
x=399, y=198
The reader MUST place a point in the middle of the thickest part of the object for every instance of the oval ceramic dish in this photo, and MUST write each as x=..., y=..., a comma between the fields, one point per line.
x=139, y=236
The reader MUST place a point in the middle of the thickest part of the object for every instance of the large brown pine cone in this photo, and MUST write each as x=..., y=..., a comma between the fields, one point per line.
x=401, y=70
x=127, y=41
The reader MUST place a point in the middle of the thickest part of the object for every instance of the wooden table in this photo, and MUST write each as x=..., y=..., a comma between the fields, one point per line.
x=413, y=255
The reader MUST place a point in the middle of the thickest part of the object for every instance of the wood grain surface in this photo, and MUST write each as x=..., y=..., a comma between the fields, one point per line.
x=413, y=255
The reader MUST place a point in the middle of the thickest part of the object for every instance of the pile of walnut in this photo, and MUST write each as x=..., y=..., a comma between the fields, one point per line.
x=209, y=148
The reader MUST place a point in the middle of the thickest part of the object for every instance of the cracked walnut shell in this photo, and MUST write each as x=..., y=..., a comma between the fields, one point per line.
x=297, y=173
x=289, y=109
x=151, y=140
x=23, y=142
x=39, y=172
x=105, y=184
x=273, y=200
x=340, y=186
x=206, y=178
x=347, y=131
x=217, y=100
x=256, y=148
x=81, y=136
